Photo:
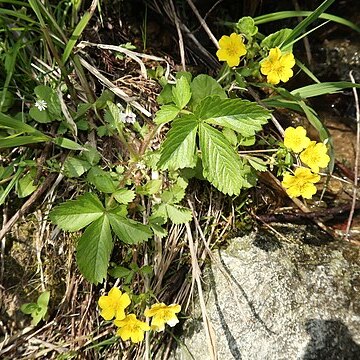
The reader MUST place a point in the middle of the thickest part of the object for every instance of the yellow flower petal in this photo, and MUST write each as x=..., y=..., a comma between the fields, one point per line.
x=131, y=328
x=315, y=156
x=113, y=304
x=162, y=314
x=296, y=139
x=277, y=66
x=231, y=49
x=301, y=183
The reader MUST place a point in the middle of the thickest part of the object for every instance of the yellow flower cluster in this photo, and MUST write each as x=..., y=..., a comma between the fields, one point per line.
x=312, y=154
x=232, y=48
x=129, y=327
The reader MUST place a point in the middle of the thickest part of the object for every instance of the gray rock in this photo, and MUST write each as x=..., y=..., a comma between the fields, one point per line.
x=270, y=299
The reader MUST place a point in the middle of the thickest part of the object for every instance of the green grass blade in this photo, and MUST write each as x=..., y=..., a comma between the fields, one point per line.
x=75, y=36
x=12, y=142
x=18, y=126
x=323, y=88
x=263, y=19
x=11, y=184
x=307, y=21
x=16, y=14
x=307, y=71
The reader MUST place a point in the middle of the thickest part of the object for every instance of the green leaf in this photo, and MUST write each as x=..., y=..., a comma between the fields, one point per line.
x=230, y=136
x=165, y=96
x=174, y=195
x=307, y=21
x=179, y=147
x=91, y=154
x=181, y=92
x=73, y=215
x=120, y=272
x=67, y=144
x=74, y=167
x=129, y=231
x=323, y=89
x=276, y=39
x=221, y=164
x=25, y=186
x=42, y=117
x=239, y=115
x=203, y=86
x=166, y=114
x=28, y=308
x=178, y=214
x=43, y=299
x=150, y=188
x=94, y=249
x=257, y=163
x=124, y=196
x=246, y=26
x=101, y=179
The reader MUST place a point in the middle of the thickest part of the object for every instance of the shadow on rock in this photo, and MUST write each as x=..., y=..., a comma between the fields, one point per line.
x=330, y=340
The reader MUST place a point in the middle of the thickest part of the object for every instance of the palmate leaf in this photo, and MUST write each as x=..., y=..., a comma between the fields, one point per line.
x=178, y=150
x=242, y=116
x=74, y=215
x=166, y=114
x=181, y=92
x=94, y=250
x=221, y=164
x=127, y=230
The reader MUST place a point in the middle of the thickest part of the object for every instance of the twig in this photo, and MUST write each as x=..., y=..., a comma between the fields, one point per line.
x=203, y=23
x=34, y=197
x=356, y=165
x=181, y=41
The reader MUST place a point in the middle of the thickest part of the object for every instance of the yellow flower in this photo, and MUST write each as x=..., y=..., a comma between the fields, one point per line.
x=231, y=49
x=162, y=314
x=315, y=156
x=114, y=304
x=301, y=183
x=296, y=139
x=131, y=328
x=277, y=66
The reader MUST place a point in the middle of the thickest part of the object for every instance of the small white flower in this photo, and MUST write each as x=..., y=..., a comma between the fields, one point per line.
x=128, y=116
x=41, y=105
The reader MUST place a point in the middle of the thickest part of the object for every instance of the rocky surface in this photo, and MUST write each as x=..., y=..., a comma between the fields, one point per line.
x=296, y=296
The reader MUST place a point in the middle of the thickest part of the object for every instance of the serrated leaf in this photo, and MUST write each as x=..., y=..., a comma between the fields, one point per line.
x=276, y=39
x=124, y=196
x=178, y=214
x=129, y=231
x=74, y=167
x=158, y=230
x=181, y=92
x=94, y=249
x=221, y=164
x=25, y=186
x=257, y=163
x=166, y=114
x=101, y=180
x=74, y=215
x=178, y=150
x=203, y=86
x=174, y=195
x=242, y=116
x=230, y=136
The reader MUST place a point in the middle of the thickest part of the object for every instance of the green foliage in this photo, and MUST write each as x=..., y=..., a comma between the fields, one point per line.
x=39, y=309
x=96, y=243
